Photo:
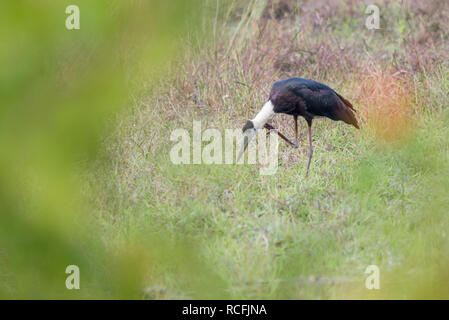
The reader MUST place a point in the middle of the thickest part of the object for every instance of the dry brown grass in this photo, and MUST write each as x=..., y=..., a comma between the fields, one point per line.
x=227, y=81
x=386, y=107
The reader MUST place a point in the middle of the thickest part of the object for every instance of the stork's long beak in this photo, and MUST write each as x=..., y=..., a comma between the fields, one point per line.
x=248, y=135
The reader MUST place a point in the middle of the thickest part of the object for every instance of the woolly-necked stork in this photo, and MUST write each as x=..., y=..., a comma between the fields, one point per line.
x=300, y=97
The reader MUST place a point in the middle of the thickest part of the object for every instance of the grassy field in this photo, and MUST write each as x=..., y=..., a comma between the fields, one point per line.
x=86, y=177
x=377, y=196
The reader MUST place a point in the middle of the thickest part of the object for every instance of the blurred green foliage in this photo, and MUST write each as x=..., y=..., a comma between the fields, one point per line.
x=59, y=89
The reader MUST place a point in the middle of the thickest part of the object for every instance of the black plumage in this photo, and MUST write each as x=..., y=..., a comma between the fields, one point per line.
x=310, y=99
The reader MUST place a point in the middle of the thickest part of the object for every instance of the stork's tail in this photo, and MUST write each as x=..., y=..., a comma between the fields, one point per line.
x=347, y=103
x=349, y=112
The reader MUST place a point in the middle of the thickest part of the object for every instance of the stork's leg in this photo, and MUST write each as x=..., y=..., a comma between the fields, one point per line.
x=309, y=124
x=296, y=132
x=270, y=127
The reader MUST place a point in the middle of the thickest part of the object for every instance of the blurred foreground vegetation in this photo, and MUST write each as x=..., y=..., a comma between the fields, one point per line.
x=86, y=179
x=59, y=91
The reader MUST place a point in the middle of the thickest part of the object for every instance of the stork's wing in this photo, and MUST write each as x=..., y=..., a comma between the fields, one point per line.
x=323, y=101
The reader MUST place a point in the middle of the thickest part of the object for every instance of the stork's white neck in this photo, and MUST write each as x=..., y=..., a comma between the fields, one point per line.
x=264, y=114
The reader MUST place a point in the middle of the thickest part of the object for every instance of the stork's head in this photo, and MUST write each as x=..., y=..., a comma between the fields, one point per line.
x=251, y=126
x=249, y=132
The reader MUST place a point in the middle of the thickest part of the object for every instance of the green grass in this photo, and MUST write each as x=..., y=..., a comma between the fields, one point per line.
x=288, y=236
